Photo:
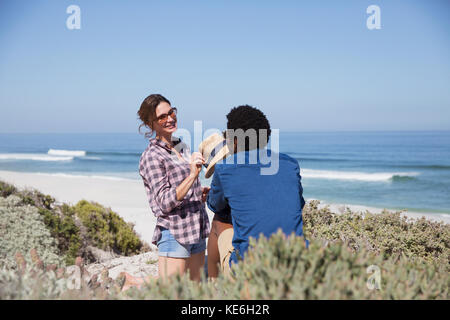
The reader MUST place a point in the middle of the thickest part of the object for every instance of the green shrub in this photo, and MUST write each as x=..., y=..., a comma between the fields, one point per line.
x=60, y=223
x=107, y=229
x=36, y=199
x=76, y=227
x=386, y=233
x=29, y=197
x=40, y=281
x=282, y=268
x=30, y=285
x=7, y=189
x=413, y=257
x=22, y=228
x=65, y=230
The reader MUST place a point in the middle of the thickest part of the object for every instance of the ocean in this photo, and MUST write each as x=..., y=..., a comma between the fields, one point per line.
x=393, y=170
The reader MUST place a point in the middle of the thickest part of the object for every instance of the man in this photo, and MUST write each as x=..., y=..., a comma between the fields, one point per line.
x=257, y=202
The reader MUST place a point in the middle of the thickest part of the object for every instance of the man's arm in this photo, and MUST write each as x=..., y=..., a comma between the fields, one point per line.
x=302, y=200
x=216, y=199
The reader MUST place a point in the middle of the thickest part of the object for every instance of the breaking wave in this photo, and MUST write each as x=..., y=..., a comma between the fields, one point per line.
x=33, y=156
x=360, y=176
x=71, y=153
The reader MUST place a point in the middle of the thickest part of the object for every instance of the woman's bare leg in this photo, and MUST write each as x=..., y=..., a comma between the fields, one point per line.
x=170, y=266
x=195, y=265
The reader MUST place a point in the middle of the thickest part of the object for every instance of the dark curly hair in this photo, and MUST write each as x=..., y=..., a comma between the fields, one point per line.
x=247, y=117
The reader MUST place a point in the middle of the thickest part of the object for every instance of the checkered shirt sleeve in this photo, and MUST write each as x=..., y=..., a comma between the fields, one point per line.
x=157, y=184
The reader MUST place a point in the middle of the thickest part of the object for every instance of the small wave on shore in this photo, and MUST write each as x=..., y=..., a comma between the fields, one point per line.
x=359, y=176
x=80, y=154
x=34, y=157
x=89, y=158
x=51, y=155
x=72, y=153
x=119, y=154
x=104, y=177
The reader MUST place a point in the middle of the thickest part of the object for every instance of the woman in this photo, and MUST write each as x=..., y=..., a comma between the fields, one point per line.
x=176, y=197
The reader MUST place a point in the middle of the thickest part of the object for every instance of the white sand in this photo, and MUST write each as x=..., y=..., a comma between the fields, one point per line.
x=127, y=197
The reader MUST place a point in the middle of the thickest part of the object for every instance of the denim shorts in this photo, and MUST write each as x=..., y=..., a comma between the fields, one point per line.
x=168, y=246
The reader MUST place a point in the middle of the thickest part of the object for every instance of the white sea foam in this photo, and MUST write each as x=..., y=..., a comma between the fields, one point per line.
x=33, y=156
x=352, y=175
x=75, y=176
x=72, y=153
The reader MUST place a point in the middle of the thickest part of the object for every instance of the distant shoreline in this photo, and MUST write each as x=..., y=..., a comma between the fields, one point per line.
x=127, y=197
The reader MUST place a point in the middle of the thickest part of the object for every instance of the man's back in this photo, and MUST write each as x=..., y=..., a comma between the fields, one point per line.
x=259, y=203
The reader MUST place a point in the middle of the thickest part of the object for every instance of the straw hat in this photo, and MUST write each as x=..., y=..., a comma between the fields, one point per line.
x=213, y=149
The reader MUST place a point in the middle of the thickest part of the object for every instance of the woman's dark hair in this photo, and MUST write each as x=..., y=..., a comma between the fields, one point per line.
x=247, y=117
x=147, y=112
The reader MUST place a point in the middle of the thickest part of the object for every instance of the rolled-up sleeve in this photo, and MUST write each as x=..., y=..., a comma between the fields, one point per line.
x=157, y=183
x=216, y=200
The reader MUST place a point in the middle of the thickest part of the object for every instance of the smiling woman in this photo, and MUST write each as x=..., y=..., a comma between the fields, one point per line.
x=147, y=112
x=174, y=191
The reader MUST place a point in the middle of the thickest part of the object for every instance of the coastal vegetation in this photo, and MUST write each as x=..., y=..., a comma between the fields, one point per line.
x=30, y=219
x=350, y=256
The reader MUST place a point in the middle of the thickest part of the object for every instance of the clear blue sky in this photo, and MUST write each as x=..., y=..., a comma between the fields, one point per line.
x=309, y=65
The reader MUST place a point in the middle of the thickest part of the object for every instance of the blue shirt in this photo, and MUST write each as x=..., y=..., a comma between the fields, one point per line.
x=258, y=203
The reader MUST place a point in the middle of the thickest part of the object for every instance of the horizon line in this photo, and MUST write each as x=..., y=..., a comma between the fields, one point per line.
x=287, y=130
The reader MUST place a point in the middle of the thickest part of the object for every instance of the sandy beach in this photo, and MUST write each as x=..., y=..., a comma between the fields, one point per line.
x=127, y=197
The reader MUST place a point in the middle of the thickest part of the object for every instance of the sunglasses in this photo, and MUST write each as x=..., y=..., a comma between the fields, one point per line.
x=163, y=118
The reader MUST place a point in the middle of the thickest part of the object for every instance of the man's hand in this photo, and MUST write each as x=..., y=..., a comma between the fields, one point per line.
x=205, y=191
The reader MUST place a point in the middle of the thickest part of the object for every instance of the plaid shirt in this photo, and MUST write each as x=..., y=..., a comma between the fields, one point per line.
x=162, y=171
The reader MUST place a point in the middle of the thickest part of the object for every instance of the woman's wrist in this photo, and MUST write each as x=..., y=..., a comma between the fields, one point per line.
x=184, y=187
x=193, y=175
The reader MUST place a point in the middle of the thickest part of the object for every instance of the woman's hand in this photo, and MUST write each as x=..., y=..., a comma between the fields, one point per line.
x=205, y=191
x=196, y=163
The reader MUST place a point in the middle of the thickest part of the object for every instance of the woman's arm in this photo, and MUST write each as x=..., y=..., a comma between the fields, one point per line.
x=154, y=174
x=196, y=166
x=156, y=182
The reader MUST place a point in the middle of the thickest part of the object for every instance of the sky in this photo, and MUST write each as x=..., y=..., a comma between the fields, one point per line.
x=308, y=65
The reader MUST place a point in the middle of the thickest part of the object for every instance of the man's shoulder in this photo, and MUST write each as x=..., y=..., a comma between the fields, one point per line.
x=288, y=158
x=229, y=163
x=282, y=157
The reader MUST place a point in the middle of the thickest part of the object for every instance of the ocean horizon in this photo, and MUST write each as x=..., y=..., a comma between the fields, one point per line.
x=382, y=169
